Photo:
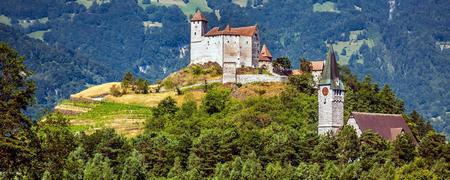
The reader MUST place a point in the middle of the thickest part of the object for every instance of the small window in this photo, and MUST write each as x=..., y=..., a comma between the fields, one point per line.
x=247, y=42
x=195, y=33
x=228, y=41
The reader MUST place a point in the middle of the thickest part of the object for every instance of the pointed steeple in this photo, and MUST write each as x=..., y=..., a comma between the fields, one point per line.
x=265, y=54
x=198, y=16
x=330, y=73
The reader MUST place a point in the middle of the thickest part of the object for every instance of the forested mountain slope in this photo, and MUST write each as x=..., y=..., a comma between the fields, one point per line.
x=398, y=42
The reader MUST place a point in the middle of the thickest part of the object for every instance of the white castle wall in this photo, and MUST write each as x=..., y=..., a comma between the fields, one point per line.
x=244, y=50
x=251, y=78
x=231, y=51
x=245, y=43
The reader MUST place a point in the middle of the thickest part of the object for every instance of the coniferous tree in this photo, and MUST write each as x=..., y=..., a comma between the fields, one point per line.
x=134, y=167
x=326, y=149
x=128, y=80
x=167, y=106
x=177, y=171
x=419, y=126
x=304, y=83
x=307, y=171
x=56, y=142
x=282, y=63
x=215, y=100
x=75, y=163
x=99, y=167
x=373, y=149
x=17, y=139
x=431, y=146
x=388, y=102
x=403, y=149
x=348, y=145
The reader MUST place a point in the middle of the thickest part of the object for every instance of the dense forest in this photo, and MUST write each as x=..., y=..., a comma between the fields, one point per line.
x=396, y=41
x=219, y=138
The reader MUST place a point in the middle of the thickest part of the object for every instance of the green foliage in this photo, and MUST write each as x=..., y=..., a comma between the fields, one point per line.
x=98, y=167
x=304, y=83
x=142, y=86
x=115, y=91
x=16, y=93
x=431, y=146
x=134, y=167
x=403, y=149
x=418, y=125
x=348, y=145
x=75, y=163
x=167, y=106
x=305, y=66
x=56, y=142
x=326, y=149
x=128, y=80
x=282, y=63
x=373, y=149
x=415, y=170
x=215, y=100
x=256, y=138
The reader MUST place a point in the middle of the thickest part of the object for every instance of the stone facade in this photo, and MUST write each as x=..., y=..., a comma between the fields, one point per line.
x=229, y=72
x=330, y=97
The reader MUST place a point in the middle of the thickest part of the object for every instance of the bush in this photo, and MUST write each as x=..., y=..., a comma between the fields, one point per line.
x=115, y=91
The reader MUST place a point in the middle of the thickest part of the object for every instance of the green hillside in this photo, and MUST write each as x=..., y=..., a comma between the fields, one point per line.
x=253, y=131
x=396, y=44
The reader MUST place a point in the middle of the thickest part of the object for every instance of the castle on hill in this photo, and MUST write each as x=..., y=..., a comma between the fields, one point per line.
x=239, y=46
x=234, y=48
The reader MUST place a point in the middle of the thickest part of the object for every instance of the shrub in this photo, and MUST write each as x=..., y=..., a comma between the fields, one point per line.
x=115, y=91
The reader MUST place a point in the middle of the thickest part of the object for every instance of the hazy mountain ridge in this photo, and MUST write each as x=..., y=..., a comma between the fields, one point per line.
x=404, y=55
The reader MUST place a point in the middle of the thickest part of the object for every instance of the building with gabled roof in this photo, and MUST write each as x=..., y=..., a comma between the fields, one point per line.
x=235, y=46
x=388, y=126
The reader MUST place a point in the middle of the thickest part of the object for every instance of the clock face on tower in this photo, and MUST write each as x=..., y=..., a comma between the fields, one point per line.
x=325, y=91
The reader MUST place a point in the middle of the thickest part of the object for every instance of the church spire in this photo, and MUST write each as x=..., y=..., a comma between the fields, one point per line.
x=330, y=74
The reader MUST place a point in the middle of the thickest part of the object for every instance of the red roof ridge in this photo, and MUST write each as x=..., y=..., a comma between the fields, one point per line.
x=380, y=114
x=228, y=30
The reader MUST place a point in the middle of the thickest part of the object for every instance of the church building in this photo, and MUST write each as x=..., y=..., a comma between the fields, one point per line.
x=331, y=108
x=236, y=46
x=330, y=96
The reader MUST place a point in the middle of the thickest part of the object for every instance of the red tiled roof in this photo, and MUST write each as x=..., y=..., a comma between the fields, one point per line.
x=317, y=65
x=198, y=16
x=388, y=126
x=265, y=54
x=241, y=31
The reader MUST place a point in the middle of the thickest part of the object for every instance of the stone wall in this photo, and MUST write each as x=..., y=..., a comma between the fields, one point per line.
x=252, y=78
x=229, y=72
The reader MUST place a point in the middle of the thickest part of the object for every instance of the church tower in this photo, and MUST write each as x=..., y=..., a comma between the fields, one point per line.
x=331, y=97
x=199, y=26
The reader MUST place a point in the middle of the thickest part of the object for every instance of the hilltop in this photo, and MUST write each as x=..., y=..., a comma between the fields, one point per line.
x=95, y=107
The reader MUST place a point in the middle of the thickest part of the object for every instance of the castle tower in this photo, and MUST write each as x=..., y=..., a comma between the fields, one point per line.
x=265, y=59
x=331, y=97
x=199, y=26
